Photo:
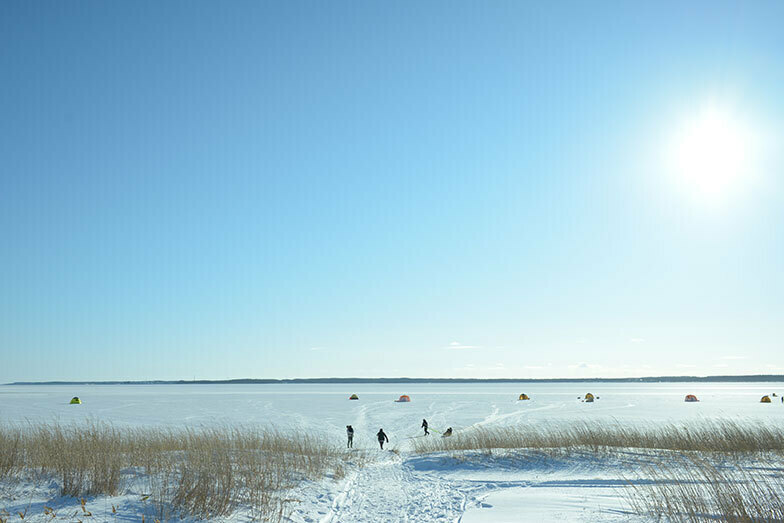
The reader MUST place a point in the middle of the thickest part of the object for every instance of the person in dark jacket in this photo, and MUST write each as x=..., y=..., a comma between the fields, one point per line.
x=350, y=434
x=424, y=426
x=382, y=437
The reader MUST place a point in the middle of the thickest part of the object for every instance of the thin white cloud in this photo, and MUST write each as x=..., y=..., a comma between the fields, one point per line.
x=317, y=348
x=685, y=366
x=456, y=345
x=584, y=365
x=721, y=365
x=637, y=340
x=733, y=357
x=533, y=367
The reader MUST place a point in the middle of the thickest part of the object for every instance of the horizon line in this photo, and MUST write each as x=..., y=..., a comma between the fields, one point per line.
x=403, y=379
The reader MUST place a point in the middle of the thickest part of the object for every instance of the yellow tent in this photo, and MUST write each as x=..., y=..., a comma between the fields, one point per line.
x=765, y=399
x=523, y=397
x=589, y=397
x=76, y=401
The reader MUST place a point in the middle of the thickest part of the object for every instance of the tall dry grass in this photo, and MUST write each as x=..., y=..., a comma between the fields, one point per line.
x=695, y=489
x=704, y=436
x=202, y=473
x=703, y=475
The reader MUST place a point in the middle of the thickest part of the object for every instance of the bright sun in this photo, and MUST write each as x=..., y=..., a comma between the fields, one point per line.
x=711, y=154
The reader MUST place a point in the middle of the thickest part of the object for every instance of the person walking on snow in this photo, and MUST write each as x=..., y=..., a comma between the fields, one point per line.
x=382, y=437
x=350, y=434
x=424, y=426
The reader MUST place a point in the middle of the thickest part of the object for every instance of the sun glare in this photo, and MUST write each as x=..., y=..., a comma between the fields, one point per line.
x=711, y=154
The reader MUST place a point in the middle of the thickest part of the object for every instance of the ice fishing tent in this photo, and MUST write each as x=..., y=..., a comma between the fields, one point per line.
x=691, y=397
x=589, y=397
x=353, y=397
x=765, y=399
x=76, y=401
x=523, y=397
x=403, y=399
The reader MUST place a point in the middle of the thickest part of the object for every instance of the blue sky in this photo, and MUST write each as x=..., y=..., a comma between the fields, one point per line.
x=448, y=189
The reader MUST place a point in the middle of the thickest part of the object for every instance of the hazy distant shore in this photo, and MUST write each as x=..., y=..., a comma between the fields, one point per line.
x=647, y=379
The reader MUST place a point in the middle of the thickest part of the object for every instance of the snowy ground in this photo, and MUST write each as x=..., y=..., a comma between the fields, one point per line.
x=512, y=487
x=396, y=484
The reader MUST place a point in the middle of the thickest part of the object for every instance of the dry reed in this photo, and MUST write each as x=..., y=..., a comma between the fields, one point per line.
x=203, y=473
x=700, y=479
x=695, y=489
x=705, y=436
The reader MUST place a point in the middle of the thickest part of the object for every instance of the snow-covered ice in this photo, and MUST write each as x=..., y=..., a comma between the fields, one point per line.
x=398, y=485
x=326, y=410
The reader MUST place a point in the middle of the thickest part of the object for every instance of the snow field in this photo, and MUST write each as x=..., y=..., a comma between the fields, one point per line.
x=396, y=484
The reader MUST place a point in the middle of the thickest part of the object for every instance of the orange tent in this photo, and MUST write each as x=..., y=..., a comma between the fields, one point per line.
x=403, y=399
x=523, y=397
x=691, y=397
x=589, y=397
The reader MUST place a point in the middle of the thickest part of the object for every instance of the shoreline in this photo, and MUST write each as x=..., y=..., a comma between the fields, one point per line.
x=286, y=381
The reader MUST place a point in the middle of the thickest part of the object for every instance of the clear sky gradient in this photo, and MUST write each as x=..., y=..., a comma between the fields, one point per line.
x=447, y=189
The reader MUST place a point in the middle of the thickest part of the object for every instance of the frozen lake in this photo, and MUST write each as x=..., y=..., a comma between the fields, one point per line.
x=405, y=486
x=324, y=409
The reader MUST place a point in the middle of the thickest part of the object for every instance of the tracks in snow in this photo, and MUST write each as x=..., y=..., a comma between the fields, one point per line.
x=391, y=490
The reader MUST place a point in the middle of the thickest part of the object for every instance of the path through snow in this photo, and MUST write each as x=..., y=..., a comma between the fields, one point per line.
x=406, y=487
x=391, y=490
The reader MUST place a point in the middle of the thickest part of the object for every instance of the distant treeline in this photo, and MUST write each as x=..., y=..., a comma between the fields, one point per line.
x=649, y=379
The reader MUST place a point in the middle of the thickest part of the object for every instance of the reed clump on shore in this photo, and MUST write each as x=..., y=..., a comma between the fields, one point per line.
x=699, y=436
x=695, y=489
x=709, y=470
x=202, y=473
